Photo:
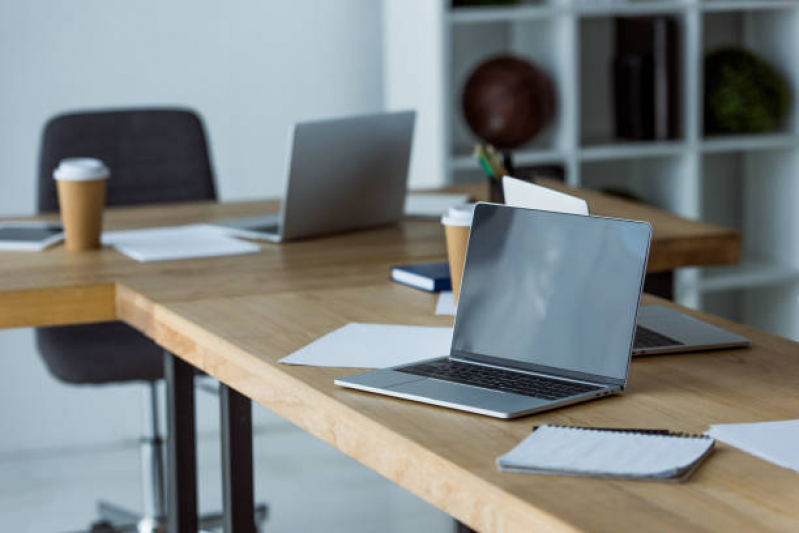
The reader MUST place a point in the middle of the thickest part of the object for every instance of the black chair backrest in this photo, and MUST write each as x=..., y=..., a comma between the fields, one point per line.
x=155, y=155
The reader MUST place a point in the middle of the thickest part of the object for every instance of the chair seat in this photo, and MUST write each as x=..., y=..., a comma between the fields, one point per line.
x=110, y=352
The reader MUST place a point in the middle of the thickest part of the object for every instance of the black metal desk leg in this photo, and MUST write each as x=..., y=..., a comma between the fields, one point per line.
x=237, y=465
x=181, y=446
x=660, y=284
x=463, y=528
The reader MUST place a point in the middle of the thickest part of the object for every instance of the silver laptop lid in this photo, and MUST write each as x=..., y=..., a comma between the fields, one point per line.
x=346, y=173
x=551, y=292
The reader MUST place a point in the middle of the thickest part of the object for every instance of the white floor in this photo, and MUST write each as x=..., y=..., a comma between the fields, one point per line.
x=308, y=485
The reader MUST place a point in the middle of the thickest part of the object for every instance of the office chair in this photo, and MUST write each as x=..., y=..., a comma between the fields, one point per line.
x=155, y=156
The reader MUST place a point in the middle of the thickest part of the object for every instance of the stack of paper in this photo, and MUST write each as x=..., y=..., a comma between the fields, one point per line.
x=373, y=346
x=607, y=454
x=777, y=442
x=176, y=242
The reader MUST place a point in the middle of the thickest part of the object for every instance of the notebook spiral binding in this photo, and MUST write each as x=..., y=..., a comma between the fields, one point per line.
x=635, y=431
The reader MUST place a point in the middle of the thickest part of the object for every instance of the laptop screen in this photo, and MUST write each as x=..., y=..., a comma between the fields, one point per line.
x=551, y=292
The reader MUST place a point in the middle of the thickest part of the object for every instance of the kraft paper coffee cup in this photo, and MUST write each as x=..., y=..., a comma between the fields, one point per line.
x=81, y=195
x=457, y=224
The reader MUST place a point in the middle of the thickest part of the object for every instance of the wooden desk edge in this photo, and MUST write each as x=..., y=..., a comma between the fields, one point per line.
x=58, y=306
x=348, y=431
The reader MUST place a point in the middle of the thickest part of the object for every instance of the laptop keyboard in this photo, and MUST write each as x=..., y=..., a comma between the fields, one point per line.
x=271, y=228
x=646, y=338
x=497, y=379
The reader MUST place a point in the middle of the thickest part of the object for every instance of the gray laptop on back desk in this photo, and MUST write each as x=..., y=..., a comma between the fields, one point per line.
x=661, y=330
x=546, y=316
x=342, y=174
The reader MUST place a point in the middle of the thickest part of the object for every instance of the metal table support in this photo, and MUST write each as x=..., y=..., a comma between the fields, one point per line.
x=181, y=446
x=237, y=463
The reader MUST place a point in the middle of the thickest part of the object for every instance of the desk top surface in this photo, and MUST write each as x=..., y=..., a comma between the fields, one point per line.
x=235, y=316
x=447, y=457
x=676, y=242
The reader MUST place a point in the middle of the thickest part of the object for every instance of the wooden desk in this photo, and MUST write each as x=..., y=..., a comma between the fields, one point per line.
x=676, y=241
x=234, y=316
x=447, y=457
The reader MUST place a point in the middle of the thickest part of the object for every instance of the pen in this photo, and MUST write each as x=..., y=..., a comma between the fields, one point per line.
x=480, y=155
x=492, y=153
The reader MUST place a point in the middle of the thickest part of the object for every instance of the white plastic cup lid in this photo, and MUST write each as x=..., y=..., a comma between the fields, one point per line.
x=459, y=215
x=81, y=169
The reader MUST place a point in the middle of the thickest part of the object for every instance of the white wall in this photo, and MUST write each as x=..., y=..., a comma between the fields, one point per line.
x=249, y=67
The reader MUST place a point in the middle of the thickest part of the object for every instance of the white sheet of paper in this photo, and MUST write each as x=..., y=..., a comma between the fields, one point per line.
x=446, y=304
x=359, y=345
x=776, y=442
x=432, y=205
x=576, y=450
x=176, y=242
x=519, y=193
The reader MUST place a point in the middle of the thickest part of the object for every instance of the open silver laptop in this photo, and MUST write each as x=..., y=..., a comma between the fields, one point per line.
x=546, y=316
x=342, y=174
x=661, y=330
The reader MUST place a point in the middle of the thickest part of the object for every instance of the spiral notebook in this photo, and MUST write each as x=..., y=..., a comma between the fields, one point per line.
x=651, y=455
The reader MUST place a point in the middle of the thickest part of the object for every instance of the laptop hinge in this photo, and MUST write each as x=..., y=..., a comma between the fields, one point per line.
x=467, y=357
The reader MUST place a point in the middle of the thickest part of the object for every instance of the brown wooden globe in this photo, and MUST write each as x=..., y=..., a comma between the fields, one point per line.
x=507, y=101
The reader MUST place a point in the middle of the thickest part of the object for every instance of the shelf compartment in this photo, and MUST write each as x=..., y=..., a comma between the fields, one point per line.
x=650, y=179
x=753, y=192
x=597, y=49
x=531, y=40
x=772, y=35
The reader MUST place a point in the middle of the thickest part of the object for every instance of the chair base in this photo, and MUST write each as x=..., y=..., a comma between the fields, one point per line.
x=115, y=519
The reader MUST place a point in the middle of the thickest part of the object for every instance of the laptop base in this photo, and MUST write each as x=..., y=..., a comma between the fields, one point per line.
x=390, y=382
x=260, y=228
x=690, y=334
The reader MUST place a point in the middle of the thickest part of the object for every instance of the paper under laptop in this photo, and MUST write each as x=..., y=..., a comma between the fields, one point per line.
x=359, y=345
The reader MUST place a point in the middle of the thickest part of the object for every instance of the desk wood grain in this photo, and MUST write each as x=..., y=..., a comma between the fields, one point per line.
x=447, y=457
x=235, y=316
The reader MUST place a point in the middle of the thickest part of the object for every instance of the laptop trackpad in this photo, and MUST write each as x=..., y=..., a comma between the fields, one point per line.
x=469, y=396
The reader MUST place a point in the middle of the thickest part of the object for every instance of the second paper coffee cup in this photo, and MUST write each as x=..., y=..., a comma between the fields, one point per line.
x=457, y=224
x=81, y=186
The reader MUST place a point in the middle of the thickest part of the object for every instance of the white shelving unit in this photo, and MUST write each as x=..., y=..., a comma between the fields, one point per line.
x=749, y=182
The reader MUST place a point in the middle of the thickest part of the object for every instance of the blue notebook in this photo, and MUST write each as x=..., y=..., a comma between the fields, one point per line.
x=433, y=277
